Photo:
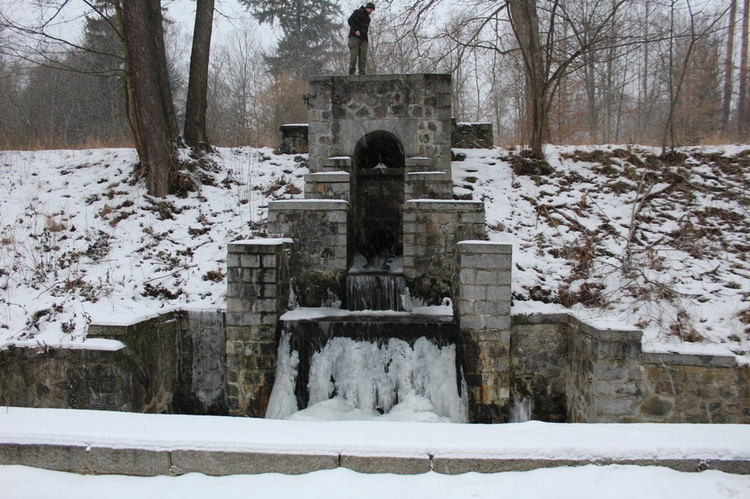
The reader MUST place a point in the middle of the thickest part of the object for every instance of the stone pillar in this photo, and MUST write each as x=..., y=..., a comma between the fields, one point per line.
x=432, y=228
x=606, y=381
x=293, y=139
x=319, y=228
x=482, y=307
x=257, y=295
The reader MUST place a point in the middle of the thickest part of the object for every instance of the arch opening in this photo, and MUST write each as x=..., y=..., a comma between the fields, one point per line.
x=379, y=149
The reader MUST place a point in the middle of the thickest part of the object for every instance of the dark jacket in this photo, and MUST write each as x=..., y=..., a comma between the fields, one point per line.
x=359, y=21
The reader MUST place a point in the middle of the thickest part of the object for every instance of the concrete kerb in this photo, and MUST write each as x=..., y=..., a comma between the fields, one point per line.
x=145, y=462
x=456, y=466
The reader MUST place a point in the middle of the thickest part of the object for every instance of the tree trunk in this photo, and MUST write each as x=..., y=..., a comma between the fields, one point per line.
x=194, y=132
x=525, y=23
x=144, y=38
x=728, y=69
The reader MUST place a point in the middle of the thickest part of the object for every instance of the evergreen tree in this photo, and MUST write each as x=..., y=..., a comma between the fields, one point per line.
x=309, y=33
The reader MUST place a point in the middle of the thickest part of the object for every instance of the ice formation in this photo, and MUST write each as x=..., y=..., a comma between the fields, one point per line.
x=351, y=379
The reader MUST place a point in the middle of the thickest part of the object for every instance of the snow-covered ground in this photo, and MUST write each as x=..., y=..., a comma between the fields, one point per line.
x=615, y=236
x=586, y=482
x=532, y=440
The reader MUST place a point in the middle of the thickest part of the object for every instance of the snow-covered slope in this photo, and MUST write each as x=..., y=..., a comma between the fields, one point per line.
x=614, y=235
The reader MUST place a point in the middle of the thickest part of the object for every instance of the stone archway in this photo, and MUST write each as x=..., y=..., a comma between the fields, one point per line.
x=378, y=162
x=379, y=149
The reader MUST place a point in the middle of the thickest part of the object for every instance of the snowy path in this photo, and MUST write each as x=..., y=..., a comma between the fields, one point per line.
x=237, y=438
x=524, y=441
x=587, y=482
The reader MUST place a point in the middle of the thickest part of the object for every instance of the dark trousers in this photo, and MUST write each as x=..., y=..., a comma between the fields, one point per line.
x=357, y=53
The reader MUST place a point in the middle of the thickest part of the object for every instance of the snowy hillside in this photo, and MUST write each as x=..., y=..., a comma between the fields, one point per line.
x=614, y=235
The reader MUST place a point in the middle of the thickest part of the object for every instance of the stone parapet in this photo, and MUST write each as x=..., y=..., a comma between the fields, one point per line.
x=482, y=306
x=472, y=135
x=257, y=295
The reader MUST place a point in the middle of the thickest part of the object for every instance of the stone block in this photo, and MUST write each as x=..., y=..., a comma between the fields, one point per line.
x=269, y=261
x=337, y=216
x=472, y=217
x=472, y=322
x=240, y=304
x=473, y=261
x=470, y=292
x=498, y=322
x=136, y=462
x=233, y=260
x=500, y=261
x=624, y=406
x=250, y=261
x=48, y=457
x=218, y=463
x=386, y=464
x=487, y=277
x=609, y=372
x=482, y=307
x=467, y=276
x=243, y=318
x=262, y=305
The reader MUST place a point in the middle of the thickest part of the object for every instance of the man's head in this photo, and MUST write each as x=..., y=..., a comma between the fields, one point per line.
x=370, y=7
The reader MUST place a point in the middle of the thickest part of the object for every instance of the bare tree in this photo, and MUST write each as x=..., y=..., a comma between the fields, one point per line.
x=726, y=102
x=693, y=34
x=743, y=104
x=239, y=76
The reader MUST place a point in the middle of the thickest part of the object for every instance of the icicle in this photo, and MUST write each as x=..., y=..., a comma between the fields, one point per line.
x=282, y=401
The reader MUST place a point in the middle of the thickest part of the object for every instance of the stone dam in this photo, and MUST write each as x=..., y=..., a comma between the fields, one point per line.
x=375, y=288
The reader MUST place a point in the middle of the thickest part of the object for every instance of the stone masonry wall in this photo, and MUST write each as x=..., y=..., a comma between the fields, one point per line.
x=201, y=363
x=432, y=229
x=140, y=377
x=70, y=379
x=577, y=373
x=539, y=359
x=321, y=240
x=695, y=389
x=428, y=185
x=328, y=185
x=257, y=295
x=482, y=307
x=605, y=382
x=415, y=108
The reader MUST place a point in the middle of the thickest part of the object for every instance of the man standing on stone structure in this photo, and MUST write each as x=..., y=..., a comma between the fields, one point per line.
x=359, y=24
